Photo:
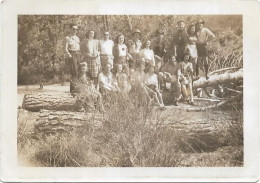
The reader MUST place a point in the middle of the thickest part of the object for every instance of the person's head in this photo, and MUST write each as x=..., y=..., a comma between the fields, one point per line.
x=107, y=68
x=119, y=68
x=147, y=44
x=137, y=34
x=141, y=66
x=192, y=29
x=151, y=69
x=200, y=24
x=120, y=38
x=181, y=25
x=74, y=28
x=160, y=35
x=83, y=67
x=173, y=60
x=106, y=35
x=91, y=34
x=186, y=57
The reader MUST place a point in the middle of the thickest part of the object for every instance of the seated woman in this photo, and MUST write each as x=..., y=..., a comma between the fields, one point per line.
x=106, y=80
x=186, y=83
x=122, y=79
x=147, y=56
x=151, y=85
x=88, y=95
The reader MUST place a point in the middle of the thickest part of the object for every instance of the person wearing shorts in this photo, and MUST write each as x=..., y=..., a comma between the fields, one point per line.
x=204, y=35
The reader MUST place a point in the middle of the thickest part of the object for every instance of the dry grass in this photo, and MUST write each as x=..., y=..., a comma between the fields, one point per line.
x=135, y=134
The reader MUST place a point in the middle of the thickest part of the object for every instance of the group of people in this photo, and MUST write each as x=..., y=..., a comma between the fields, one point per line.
x=122, y=66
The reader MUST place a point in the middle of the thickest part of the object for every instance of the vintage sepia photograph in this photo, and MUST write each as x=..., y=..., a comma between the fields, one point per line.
x=130, y=90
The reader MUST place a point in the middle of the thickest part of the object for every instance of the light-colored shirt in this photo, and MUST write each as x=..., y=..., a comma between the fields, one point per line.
x=203, y=35
x=122, y=50
x=148, y=56
x=137, y=77
x=151, y=79
x=106, y=82
x=134, y=47
x=73, y=43
x=106, y=46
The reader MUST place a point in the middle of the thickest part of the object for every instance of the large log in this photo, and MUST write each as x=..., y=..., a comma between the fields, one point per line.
x=64, y=101
x=219, y=79
x=50, y=101
x=49, y=122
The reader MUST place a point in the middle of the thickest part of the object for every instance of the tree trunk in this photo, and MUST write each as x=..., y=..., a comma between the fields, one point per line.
x=219, y=79
x=63, y=121
x=50, y=101
x=129, y=23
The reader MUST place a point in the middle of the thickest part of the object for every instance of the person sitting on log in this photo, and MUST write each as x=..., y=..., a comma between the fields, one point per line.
x=147, y=55
x=106, y=80
x=186, y=82
x=170, y=72
x=122, y=79
x=89, y=97
x=151, y=86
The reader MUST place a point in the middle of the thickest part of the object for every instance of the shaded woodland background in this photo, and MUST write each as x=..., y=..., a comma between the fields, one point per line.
x=41, y=39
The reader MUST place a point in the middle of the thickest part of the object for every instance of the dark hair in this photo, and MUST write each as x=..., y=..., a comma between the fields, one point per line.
x=190, y=26
x=116, y=41
x=73, y=24
x=87, y=34
x=144, y=45
x=180, y=22
x=140, y=63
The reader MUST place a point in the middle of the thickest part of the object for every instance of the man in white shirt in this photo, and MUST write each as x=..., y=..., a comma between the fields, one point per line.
x=72, y=50
x=106, y=50
x=204, y=35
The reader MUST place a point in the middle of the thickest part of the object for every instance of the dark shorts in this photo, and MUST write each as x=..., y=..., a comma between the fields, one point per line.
x=180, y=53
x=202, y=50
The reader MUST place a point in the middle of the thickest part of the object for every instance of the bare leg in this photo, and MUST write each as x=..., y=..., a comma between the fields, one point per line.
x=190, y=92
x=184, y=91
x=159, y=95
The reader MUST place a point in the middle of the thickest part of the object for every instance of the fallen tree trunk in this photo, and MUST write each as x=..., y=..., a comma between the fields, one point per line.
x=66, y=102
x=219, y=79
x=50, y=101
x=64, y=121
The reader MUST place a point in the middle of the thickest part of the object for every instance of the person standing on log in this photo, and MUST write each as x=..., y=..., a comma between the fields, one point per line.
x=89, y=49
x=204, y=35
x=170, y=72
x=72, y=49
x=120, y=52
x=106, y=51
x=135, y=46
x=180, y=41
x=192, y=48
x=160, y=50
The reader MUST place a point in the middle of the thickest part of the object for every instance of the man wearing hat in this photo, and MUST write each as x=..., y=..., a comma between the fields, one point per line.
x=204, y=35
x=134, y=47
x=72, y=49
x=180, y=41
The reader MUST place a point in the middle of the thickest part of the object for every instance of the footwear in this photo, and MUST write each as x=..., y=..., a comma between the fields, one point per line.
x=192, y=103
x=176, y=103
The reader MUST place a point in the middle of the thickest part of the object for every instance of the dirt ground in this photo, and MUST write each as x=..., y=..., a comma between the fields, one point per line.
x=188, y=118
